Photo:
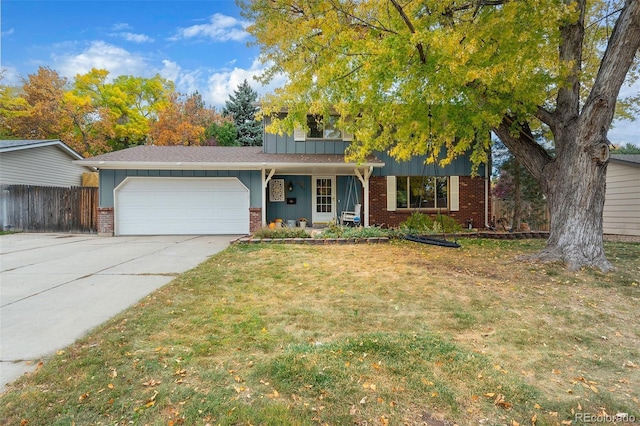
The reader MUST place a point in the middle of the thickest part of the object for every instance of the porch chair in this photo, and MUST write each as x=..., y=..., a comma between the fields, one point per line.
x=348, y=217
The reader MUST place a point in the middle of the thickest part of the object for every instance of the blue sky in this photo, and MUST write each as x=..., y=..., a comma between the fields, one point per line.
x=200, y=45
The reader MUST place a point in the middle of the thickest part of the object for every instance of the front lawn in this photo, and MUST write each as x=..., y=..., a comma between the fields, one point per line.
x=391, y=334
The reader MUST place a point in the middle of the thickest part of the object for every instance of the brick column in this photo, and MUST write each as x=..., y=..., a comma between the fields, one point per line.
x=255, y=218
x=105, y=221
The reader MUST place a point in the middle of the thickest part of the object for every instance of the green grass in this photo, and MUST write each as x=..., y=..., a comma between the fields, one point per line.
x=361, y=334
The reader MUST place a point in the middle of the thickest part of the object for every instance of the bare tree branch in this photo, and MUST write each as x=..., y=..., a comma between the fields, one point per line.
x=524, y=147
x=407, y=21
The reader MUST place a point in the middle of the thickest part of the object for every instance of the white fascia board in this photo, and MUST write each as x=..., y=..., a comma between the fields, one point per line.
x=145, y=165
x=58, y=143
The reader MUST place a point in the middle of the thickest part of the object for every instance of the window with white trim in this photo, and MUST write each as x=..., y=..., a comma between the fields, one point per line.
x=422, y=192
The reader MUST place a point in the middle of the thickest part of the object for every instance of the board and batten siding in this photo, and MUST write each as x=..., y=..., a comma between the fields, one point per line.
x=416, y=166
x=290, y=144
x=285, y=144
x=40, y=166
x=622, y=201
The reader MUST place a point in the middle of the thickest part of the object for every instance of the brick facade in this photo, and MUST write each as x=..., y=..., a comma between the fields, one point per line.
x=105, y=221
x=255, y=219
x=472, y=203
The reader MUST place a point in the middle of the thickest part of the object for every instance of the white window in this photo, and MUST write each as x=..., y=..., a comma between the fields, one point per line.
x=423, y=192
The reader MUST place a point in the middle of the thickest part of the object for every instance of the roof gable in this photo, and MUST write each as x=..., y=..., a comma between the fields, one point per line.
x=20, y=144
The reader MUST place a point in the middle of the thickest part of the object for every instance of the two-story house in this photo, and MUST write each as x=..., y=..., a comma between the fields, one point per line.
x=155, y=190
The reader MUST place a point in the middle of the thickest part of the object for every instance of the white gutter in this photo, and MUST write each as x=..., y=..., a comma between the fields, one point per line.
x=173, y=165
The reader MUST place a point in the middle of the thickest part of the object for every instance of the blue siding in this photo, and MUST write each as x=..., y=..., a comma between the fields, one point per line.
x=301, y=192
x=461, y=166
x=110, y=179
x=284, y=144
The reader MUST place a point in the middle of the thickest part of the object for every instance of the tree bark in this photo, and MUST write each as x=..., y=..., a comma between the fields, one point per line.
x=576, y=204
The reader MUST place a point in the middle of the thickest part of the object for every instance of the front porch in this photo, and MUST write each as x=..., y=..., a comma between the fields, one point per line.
x=319, y=198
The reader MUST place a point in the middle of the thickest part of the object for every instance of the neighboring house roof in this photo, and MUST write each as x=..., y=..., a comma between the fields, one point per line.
x=627, y=158
x=15, y=145
x=47, y=162
x=216, y=157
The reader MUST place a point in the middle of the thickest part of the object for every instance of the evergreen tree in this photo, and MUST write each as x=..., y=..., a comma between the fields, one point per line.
x=241, y=106
x=629, y=148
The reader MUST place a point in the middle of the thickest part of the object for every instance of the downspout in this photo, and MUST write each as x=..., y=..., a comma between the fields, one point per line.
x=486, y=195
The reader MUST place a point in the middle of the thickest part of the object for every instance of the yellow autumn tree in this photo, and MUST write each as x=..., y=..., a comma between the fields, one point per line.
x=37, y=106
x=183, y=121
x=473, y=67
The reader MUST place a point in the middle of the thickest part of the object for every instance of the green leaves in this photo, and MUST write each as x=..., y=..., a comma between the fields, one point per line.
x=386, y=64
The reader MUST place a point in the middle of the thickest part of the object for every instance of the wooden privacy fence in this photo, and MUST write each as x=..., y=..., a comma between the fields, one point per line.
x=49, y=209
x=500, y=209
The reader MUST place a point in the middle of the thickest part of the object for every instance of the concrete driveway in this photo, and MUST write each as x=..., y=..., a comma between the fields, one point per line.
x=56, y=287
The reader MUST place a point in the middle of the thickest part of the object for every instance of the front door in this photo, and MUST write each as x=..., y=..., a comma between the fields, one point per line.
x=324, y=199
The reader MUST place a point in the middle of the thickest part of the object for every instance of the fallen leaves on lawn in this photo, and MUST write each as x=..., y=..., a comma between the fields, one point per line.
x=151, y=401
x=370, y=386
x=500, y=402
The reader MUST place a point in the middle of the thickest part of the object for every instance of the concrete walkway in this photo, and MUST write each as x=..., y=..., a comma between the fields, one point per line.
x=56, y=287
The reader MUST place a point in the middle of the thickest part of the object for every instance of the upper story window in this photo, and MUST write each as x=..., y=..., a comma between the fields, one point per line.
x=419, y=192
x=320, y=128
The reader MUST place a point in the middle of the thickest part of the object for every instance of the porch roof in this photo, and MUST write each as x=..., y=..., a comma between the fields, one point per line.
x=222, y=158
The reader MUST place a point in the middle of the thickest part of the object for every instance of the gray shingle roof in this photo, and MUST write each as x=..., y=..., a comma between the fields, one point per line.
x=182, y=155
x=627, y=158
x=23, y=143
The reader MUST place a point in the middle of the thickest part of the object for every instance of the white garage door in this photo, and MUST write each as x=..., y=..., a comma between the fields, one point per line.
x=180, y=206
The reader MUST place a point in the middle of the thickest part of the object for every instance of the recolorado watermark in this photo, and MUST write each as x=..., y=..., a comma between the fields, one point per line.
x=604, y=418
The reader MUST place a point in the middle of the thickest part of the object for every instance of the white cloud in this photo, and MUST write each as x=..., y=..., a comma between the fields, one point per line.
x=187, y=82
x=121, y=26
x=624, y=131
x=9, y=76
x=136, y=38
x=223, y=83
x=219, y=28
x=101, y=55
x=170, y=70
x=7, y=33
x=121, y=29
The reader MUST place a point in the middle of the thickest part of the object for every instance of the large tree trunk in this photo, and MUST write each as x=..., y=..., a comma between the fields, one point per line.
x=576, y=202
x=574, y=184
x=575, y=180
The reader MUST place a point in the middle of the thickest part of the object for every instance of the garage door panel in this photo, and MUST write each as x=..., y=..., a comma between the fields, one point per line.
x=153, y=206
